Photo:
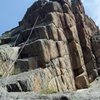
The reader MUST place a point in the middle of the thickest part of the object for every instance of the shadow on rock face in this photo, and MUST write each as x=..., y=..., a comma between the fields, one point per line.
x=61, y=98
x=64, y=98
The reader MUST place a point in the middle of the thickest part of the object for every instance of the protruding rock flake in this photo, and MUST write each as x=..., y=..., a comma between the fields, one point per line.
x=55, y=48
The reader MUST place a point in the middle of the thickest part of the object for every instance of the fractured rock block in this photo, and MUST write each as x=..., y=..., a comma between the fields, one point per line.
x=21, y=66
x=93, y=75
x=97, y=53
x=55, y=33
x=71, y=30
x=26, y=64
x=52, y=49
x=85, y=32
x=70, y=22
x=62, y=48
x=43, y=52
x=54, y=17
x=8, y=56
x=52, y=32
x=61, y=35
x=81, y=82
x=52, y=7
x=76, y=55
x=39, y=33
x=96, y=49
x=33, y=64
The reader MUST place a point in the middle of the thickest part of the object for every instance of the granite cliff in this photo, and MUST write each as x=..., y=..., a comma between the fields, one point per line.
x=55, y=48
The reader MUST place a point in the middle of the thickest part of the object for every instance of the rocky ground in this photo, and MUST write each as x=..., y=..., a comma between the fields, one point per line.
x=92, y=93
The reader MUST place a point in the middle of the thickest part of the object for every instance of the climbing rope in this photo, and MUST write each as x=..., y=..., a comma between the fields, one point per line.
x=4, y=69
x=16, y=39
x=21, y=49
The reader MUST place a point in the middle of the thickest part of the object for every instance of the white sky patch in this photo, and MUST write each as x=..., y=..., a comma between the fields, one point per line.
x=92, y=8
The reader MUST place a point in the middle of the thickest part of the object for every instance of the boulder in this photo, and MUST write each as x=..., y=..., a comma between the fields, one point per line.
x=21, y=66
x=81, y=82
x=8, y=56
x=26, y=64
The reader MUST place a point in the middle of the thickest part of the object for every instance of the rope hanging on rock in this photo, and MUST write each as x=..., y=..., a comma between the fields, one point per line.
x=21, y=49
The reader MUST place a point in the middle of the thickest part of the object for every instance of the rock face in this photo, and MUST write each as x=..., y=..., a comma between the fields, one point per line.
x=59, y=42
x=86, y=29
x=92, y=93
x=7, y=56
x=96, y=49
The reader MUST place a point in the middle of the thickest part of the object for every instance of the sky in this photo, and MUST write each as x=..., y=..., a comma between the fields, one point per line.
x=12, y=11
x=92, y=9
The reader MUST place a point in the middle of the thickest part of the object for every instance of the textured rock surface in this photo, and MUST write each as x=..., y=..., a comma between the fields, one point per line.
x=40, y=80
x=93, y=93
x=62, y=48
x=86, y=28
x=96, y=49
x=7, y=56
